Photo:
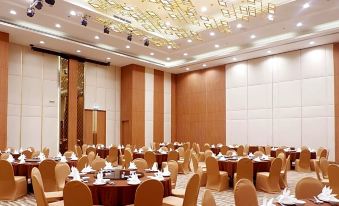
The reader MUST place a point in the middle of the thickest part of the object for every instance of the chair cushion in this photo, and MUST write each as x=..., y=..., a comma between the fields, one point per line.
x=54, y=196
x=178, y=192
x=173, y=201
x=59, y=203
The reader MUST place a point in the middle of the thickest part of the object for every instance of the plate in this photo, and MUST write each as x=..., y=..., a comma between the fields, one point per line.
x=300, y=202
x=99, y=183
x=133, y=183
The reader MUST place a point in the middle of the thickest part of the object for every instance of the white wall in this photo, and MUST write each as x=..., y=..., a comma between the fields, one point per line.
x=32, y=99
x=285, y=99
x=102, y=90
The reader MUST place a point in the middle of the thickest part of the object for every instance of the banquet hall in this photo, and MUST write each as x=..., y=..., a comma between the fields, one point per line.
x=169, y=102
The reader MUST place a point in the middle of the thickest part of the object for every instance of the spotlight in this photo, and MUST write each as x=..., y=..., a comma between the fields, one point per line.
x=50, y=2
x=146, y=42
x=129, y=37
x=30, y=12
x=84, y=21
x=106, y=29
x=38, y=4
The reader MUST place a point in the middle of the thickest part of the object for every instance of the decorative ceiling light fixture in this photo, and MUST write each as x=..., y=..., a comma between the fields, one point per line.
x=30, y=12
x=38, y=4
x=270, y=17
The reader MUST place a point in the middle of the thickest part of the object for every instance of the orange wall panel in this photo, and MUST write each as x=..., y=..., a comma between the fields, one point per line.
x=72, y=103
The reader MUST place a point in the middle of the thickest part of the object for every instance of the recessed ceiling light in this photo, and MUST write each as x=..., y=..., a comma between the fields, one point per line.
x=253, y=36
x=234, y=59
x=204, y=65
x=96, y=37
x=108, y=58
x=312, y=42
x=12, y=12
x=270, y=17
x=185, y=54
x=57, y=25
x=169, y=47
x=78, y=51
x=306, y=5
x=212, y=33
x=189, y=40
x=152, y=54
x=187, y=69
x=299, y=24
x=239, y=26
x=216, y=46
x=168, y=58
x=72, y=13
x=42, y=42
x=128, y=46
x=269, y=51
x=203, y=9
x=168, y=23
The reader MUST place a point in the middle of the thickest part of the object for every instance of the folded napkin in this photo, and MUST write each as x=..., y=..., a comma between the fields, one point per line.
x=219, y=154
x=132, y=166
x=264, y=157
x=287, y=149
x=10, y=158
x=22, y=158
x=257, y=159
x=155, y=166
x=63, y=159
x=74, y=170
x=87, y=169
x=158, y=176
x=76, y=176
x=140, y=150
x=59, y=155
x=122, y=147
x=135, y=150
x=74, y=157
x=165, y=171
x=286, y=197
x=108, y=166
x=119, y=147
x=267, y=203
x=41, y=156
x=133, y=179
x=250, y=154
x=212, y=146
x=326, y=195
x=222, y=158
x=100, y=178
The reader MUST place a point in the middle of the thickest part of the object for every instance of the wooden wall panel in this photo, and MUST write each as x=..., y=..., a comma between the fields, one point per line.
x=173, y=108
x=4, y=52
x=200, y=106
x=72, y=103
x=158, y=107
x=336, y=98
x=88, y=127
x=101, y=127
x=126, y=105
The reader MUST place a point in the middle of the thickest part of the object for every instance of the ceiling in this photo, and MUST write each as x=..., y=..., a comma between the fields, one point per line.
x=188, y=42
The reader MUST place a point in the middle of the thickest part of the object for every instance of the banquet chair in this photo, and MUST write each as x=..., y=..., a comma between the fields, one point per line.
x=98, y=164
x=246, y=150
x=268, y=150
x=113, y=155
x=84, y=148
x=68, y=154
x=269, y=181
x=144, y=148
x=172, y=155
x=223, y=149
x=191, y=194
x=283, y=159
x=91, y=149
x=164, y=149
x=258, y=154
x=216, y=180
x=78, y=151
x=186, y=146
x=283, y=174
x=155, y=146
x=128, y=157
x=150, y=158
x=47, y=170
x=173, y=169
x=245, y=193
x=181, y=152
x=244, y=170
x=199, y=170
x=304, y=163
x=240, y=150
x=325, y=182
x=28, y=154
x=49, y=196
x=333, y=177
x=208, y=199
x=82, y=162
x=62, y=171
x=91, y=157
x=184, y=165
x=206, y=147
x=45, y=151
x=278, y=151
x=35, y=154
x=170, y=146
x=323, y=163
x=141, y=164
x=200, y=153
x=77, y=193
x=40, y=195
x=4, y=156
x=11, y=187
x=307, y=188
x=261, y=149
x=150, y=193
x=230, y=152
x=208, y=153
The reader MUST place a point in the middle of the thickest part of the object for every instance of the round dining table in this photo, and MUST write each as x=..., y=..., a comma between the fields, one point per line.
x=309, y=203
x=118, y=192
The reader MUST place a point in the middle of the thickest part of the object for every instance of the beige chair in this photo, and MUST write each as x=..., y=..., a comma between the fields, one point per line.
x=155, y=146
x=28, y=154
x=246, y=150
x=98, y=164
x=230, y=152
x=35, y=154
x=333, y=177
x=173, y=155
x=191, y=194
x=208, y=199
x=40, y=195
x=84, y=148
x=200, y=153
x=216, y=180
x=150, y=193
x=170, y=146
x=240, y=150
x=77, y=193
x=49, y=196
x=269, y=182
x=283, y=174
x=91, y=149
x=261, y=149
x=173, y=169
x=68, y=154
x=128, y=157
x=278, y=151
x=268, y=150
x=208, y=153
x=325, y=182
x=323, y=163
x=141, y=164
x=223, y=149
x=304, y=163
x=62, y=171
x=82, y=162
x=78, y=151
x=91, y=157
x=4, y=156
x=184, y=165
x=150, y=158
x=181, y=152
x=307, y=188
x=258, y=154
x=186, y=146
x=244, y=170
x=113, y=156
x=45, y=151
x=245, y=193
x=206, y=147
x=199, y=170
x=47, y=170
x=11, y=187
x=164, y=149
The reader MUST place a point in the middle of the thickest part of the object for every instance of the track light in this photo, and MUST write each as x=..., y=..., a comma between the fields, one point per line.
x=129, y=37
x=50, y=2
x=84, y=20
x=146, y=42
x=38, y=4
x=30, y=12
x=106, y=29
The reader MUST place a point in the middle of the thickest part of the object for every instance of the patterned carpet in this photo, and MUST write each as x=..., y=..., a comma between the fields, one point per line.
x=222, y=198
